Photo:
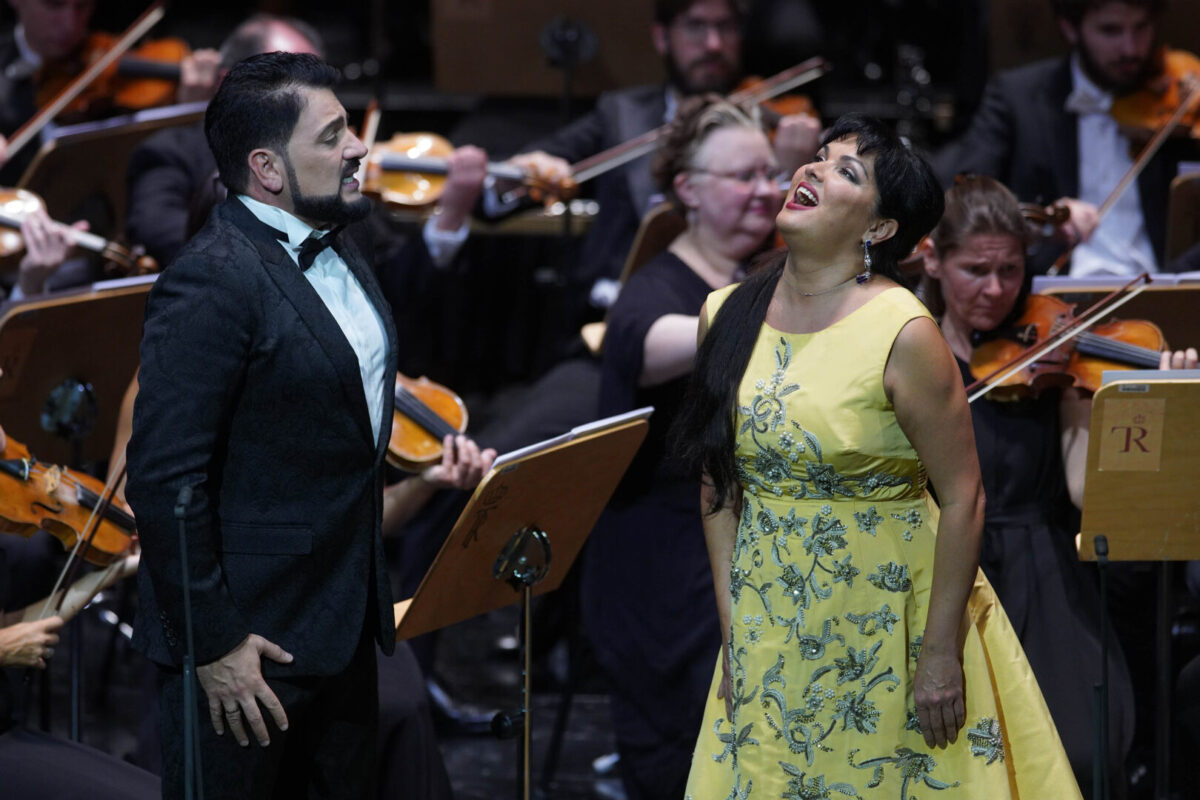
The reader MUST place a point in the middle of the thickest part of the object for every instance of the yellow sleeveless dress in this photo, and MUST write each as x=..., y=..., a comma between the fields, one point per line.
x=830, y=584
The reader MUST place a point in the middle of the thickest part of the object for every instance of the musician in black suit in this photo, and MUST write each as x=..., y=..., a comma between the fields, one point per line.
x=265, y=384
x=1044, y=131
x=700, y=42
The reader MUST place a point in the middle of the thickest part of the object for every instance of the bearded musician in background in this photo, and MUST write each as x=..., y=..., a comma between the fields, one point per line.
x=1045, y=131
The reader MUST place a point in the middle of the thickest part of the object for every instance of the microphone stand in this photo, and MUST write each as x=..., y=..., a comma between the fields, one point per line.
x=193, y=780
x=1100, y=784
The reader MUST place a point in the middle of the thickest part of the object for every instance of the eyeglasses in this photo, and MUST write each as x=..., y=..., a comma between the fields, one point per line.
x=696, y=30
x=748, y=177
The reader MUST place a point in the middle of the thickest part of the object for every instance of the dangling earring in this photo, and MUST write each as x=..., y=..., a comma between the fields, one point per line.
x=865, y=275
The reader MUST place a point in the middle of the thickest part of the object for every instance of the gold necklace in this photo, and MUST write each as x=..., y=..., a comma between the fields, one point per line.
x=861, y=277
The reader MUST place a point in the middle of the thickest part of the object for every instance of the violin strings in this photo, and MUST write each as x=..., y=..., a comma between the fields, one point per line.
x=420, y=413
x=1097, y=345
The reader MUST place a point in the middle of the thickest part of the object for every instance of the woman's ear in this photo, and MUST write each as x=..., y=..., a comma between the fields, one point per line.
x=929, y=260
x=685, y=191
x=266, y=170
x=881, y=231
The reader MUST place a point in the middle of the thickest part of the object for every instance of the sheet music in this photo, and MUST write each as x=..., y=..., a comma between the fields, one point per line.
x=574, y=433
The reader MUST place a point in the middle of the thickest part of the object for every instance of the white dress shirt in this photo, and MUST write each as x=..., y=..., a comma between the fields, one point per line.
x=1120, y=244
x=342, y=294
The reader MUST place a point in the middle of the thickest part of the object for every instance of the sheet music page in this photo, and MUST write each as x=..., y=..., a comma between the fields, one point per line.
x=574, y=433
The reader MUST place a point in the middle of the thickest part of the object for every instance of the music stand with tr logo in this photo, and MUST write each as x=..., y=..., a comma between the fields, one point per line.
x=1140, y=501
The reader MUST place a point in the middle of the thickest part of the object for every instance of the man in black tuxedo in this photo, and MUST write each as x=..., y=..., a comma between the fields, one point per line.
x=267, y=364
x=1044, y=131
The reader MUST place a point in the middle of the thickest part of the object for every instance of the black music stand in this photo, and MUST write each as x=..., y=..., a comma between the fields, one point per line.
x=519, y=535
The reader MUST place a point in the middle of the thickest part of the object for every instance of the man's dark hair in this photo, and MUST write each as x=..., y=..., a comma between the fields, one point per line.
x=257, y=106
x=665, y=11
x=250, y=38
x=1073, y=11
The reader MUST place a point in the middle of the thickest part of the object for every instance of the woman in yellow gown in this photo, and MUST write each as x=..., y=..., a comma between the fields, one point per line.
x=867, y=657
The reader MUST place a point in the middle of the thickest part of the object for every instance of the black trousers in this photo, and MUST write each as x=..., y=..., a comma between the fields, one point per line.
x=34, y=766
x=327, y=752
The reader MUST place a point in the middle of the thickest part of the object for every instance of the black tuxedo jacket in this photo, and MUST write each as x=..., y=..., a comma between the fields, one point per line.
x=1024, y=137
x=251, y=395
x=622, y=193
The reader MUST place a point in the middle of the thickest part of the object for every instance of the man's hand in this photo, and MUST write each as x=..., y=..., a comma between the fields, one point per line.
x=235, y=686
x=1082, y=222
x=797, y=139
x=29, y=644
x=466, y=169
x=199, y=74
x=463, y=464
x=47, y=245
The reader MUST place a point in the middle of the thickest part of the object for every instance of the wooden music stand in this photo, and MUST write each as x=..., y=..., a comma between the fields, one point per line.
x=86, y=161
x=519, y=534
x=82, y=349
x=1183, y=215
x=1143, y=466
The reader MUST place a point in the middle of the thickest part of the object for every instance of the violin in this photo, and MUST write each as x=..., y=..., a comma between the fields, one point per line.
x=1080, y=362
x=42, y=496
x=410, y=168
x=426, y=413
x=16, y=204
x=1149, y=108
x=145, y=77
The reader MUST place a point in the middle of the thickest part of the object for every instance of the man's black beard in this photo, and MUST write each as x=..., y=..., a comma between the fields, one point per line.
x=1106, y=82
x=679, y=80
x=326, y=209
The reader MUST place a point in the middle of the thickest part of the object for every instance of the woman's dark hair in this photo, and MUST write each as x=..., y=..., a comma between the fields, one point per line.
x=258, y=105
x=696, y=120
x=907, y=191
x=1073, y=11
x=974, y=205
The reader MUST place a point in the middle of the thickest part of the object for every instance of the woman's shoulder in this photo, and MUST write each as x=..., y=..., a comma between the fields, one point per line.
x=902, y=305
x=716, y=298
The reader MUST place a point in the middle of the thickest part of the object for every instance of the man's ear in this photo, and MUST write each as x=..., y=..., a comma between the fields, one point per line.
x=881, y=231
x=266, y=170
x=1068, y=31
x=658, y=34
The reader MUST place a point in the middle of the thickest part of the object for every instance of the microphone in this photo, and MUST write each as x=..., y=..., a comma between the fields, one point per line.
x=1100, y=545
x=182, y=501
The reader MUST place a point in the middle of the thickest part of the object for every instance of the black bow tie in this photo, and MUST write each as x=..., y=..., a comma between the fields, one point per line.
x=313, y=245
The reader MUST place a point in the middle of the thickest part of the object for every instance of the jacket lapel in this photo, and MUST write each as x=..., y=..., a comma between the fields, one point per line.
x=635, y=117
x=308, y=305
x=1062, y=128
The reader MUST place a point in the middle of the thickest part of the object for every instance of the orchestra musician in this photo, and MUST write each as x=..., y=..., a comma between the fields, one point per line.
x=35, y=765
x=53, y=33
x=1044, y=131
x=288, y=580
x=1032, y=454
x=700, y=43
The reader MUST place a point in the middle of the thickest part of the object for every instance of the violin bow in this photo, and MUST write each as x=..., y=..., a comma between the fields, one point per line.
x=1105, y=305
x=1187, y=102
x=140, y=27
x=627, y=151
